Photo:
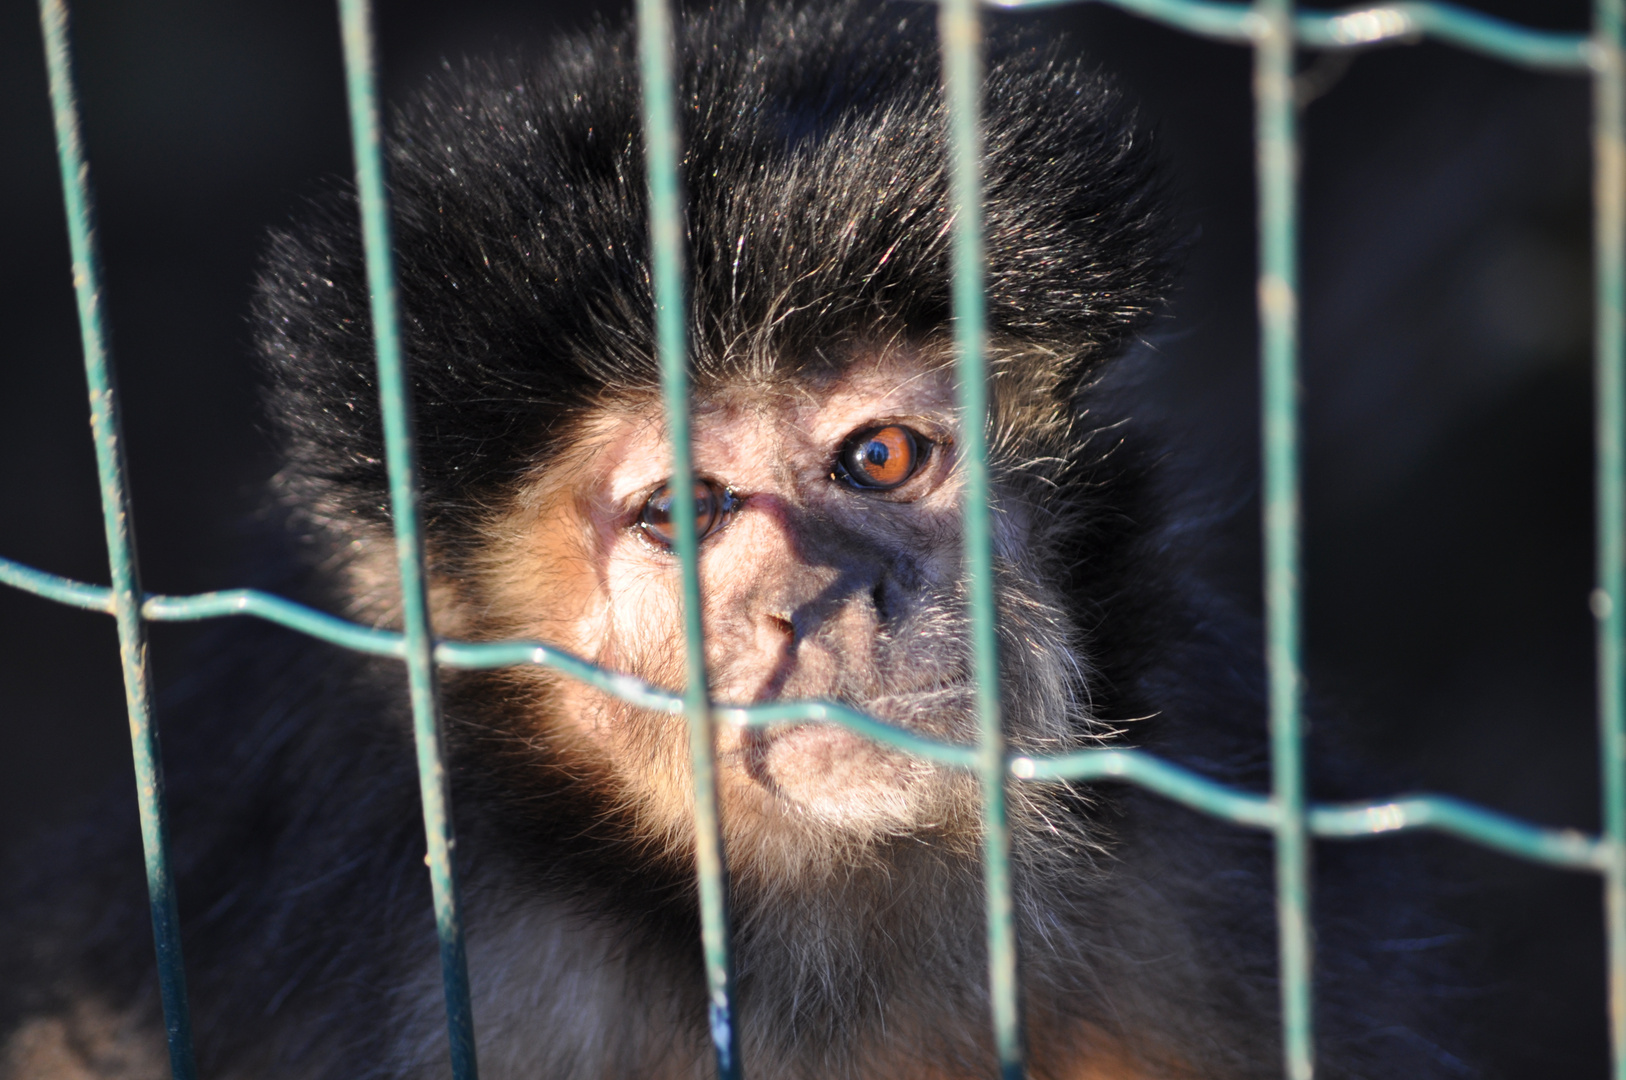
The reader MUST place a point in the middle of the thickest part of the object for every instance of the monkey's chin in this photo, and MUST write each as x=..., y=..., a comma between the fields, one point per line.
x=824, y=775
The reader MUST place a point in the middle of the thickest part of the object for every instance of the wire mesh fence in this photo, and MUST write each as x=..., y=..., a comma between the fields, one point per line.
x=1274, y=31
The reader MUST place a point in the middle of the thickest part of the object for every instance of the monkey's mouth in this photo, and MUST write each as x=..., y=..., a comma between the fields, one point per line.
x=824, y=747
x=831, y=773
x=838, y=773
x=944, y=709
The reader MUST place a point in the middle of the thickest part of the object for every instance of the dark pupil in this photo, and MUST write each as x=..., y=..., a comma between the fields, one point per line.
x=875, y=453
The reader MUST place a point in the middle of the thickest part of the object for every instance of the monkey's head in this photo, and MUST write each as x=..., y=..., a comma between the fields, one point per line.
x=826, y=434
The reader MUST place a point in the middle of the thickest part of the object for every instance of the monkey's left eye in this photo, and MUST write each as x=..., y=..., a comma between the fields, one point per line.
x=883, y=458
x=712, y=505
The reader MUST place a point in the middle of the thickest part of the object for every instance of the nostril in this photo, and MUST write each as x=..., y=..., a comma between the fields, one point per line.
x=877, y=596
x=783, y=625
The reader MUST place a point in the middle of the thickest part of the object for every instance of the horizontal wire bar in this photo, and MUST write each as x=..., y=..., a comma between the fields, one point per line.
x=1568, y=848
x=51, y=587
x=1206, y=18
x=1410, y=22
x=1144, y=770
x=213, y=605
x=961, y=757
x=1403, y=23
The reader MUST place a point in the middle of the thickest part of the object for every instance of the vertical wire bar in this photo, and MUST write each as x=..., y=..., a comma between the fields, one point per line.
x=108, y=434
x=400, y=458
x=1608, y=601
x=960, y=28
x=1278, y=322
x=666, y=234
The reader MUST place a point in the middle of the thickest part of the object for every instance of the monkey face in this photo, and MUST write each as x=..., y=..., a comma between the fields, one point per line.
x=825, y=431
x=830, y=568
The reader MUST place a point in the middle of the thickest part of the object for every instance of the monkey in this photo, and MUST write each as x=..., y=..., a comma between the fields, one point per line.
x=829, y=493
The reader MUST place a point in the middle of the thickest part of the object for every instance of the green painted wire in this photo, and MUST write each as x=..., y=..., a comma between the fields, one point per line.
x=1205, y=18
x=1270, y=25
x=1362, y=27
x=1277, y=147
x=661, y=133
x=1609, y=598
x=960, y=28
x=1567, y=848
x=361, y=91
x=124, y=598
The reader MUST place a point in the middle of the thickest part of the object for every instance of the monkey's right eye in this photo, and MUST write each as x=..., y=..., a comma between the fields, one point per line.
x=712, y=505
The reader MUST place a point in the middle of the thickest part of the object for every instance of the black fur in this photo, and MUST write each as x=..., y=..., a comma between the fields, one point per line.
x=816, y=207
x=817, y=217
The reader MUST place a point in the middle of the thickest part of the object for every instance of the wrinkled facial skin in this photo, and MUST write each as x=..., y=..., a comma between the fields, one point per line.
x=813, y=586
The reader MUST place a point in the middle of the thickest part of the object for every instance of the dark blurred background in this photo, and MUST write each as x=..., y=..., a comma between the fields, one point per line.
x=1446, y=374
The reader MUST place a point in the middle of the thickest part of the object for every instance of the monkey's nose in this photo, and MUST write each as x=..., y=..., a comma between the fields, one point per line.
x=885, y=599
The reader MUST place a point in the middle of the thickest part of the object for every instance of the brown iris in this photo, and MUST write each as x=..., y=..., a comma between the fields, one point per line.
x=880, y=459
x=712, y=505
